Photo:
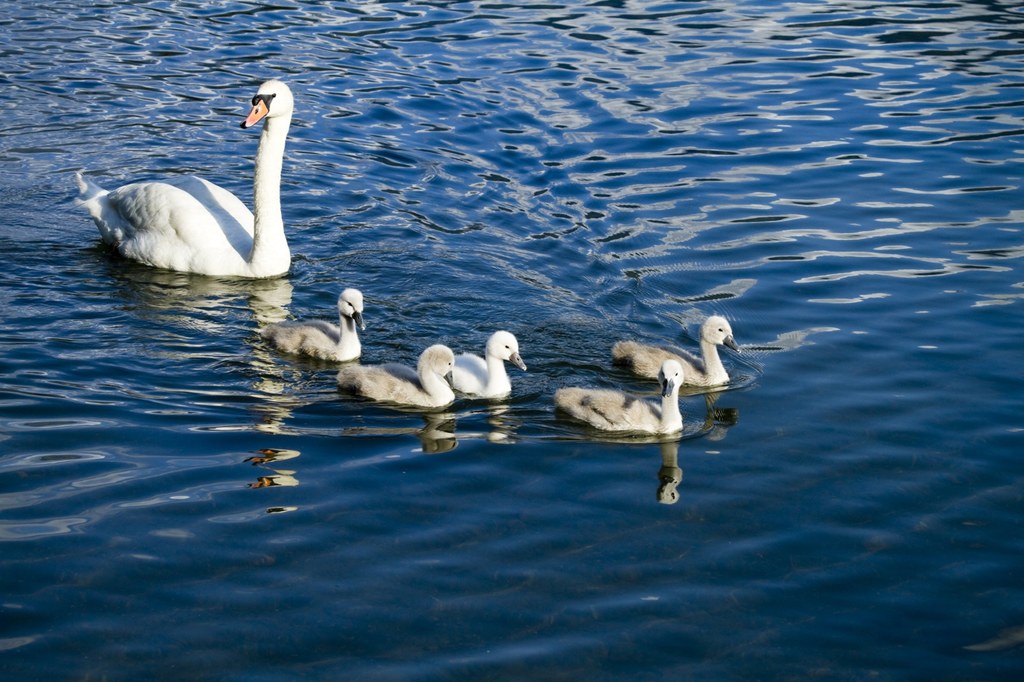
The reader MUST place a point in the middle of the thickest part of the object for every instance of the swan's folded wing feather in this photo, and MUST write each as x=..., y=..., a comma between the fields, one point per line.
x=316, y=338
x=645, y=360
x=391, y=382
x=216, y=198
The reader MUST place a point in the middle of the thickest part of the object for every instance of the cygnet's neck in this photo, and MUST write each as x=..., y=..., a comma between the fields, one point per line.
x=497, y=377
x=671, y=417
x=435, y=386
x=269, y=245
x=348, y=342
x=713, y=367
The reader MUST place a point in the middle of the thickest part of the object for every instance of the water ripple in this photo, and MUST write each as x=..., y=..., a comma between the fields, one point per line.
x=841, y=180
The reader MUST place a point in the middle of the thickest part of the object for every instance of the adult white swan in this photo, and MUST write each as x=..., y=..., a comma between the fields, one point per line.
x=192, y=225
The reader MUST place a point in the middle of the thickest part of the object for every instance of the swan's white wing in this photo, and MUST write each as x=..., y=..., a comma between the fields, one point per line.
x=188, y=224
x=218, y=200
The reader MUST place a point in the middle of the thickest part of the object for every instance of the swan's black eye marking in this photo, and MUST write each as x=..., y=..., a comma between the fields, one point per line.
x=266, y=99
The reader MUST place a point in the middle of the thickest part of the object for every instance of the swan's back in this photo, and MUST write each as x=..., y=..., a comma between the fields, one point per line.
x=184, y=224
x=400, y=384
x=316, y=338
x=609, y=410
x=645, y=360
x=390, y=383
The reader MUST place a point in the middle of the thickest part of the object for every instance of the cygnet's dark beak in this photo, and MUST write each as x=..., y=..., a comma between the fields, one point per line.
x=357, y=317
x=517, y=361
x=729, y=341
x=668, y=386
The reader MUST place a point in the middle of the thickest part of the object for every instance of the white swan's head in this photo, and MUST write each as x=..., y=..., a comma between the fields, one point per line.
x=272, y=100
x=716, y=330
x=504, y=346
x=670, y=377
x=350, y=304
x=437, y=359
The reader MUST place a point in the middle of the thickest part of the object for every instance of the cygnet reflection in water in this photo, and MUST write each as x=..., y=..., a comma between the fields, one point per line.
x=669, y=475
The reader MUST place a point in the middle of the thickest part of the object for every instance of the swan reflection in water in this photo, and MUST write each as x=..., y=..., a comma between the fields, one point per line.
x=178, y=298
x=717, y=421
x=438, y=433
x=669, y=475
x=192, y=317
x=280, y=477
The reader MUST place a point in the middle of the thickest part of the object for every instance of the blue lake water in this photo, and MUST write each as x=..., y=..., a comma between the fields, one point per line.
x=841, y=180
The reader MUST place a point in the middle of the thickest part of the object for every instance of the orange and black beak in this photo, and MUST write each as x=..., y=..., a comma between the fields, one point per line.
x=260, y=108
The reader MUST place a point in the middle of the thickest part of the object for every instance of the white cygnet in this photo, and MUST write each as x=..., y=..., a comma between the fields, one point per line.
x=487, y=378
x=610, y=410
x=707, y=370
x=425, y=386
x=321, y=339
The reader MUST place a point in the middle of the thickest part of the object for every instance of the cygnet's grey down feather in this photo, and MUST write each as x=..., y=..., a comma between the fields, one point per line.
x=645, y=360
x=320, y=339
x=611, y=410
x=426, y=386
x=486, y=377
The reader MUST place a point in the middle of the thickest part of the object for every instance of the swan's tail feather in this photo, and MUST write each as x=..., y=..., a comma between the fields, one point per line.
x=87, y=189
x=91, y=195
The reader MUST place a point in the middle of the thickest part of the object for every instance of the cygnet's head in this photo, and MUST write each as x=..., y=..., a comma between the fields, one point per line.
x=438, y=359
x=670, y=378
x=716, y=330
x=350, y=304
x=272, y=100
x=503, y=345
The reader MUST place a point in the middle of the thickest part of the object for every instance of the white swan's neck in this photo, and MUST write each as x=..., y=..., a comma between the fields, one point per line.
x=348, y=343
x=671, y=417
x=713, y=366
x=436, y=387
x=497, y=377
x=270, y=252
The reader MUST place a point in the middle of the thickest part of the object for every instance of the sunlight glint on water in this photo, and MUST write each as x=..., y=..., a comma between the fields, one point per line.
x=840, y=180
